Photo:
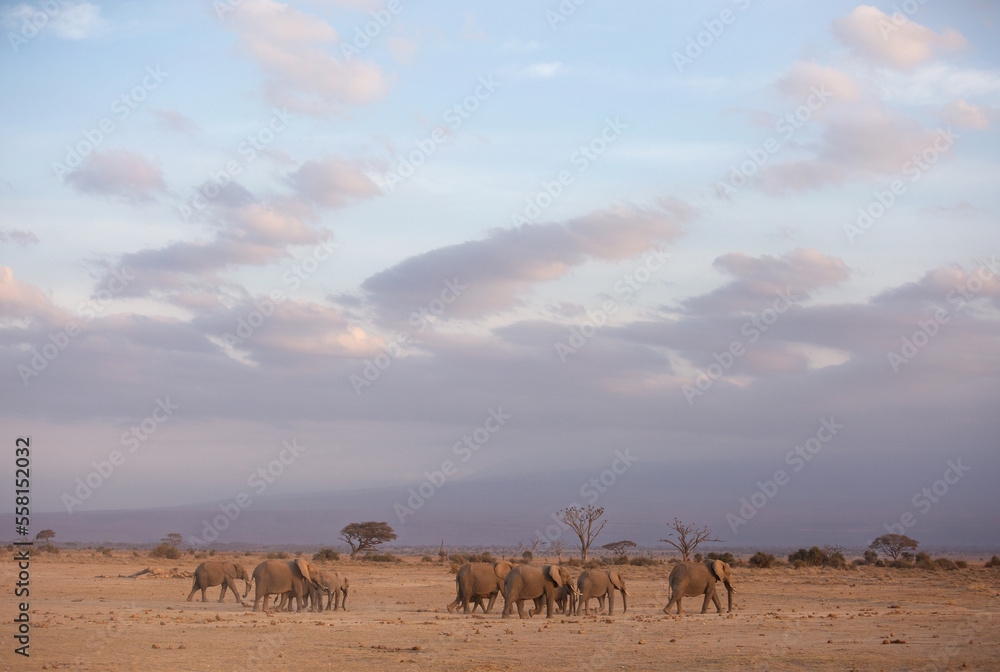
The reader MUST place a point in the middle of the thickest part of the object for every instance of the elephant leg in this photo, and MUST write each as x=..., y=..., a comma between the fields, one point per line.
x=586, y=605
x=194, y=589
x=708, y=598
x=674, y=599
x=343, y=600
x=611, y=602
x=493, y=599
x=520, y=609
x=718, y=604
x=225, y=587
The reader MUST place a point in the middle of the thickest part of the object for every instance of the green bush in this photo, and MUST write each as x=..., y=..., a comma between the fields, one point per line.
x=993, y=562
x=620, y=560
x=574, y=562
x=726, y=557
x=462, y=558
x=380, y=557
x=961, y=564
x=871, y=557
x=900, y=564
x=762, y=560
x=165, y=550
x=814, y=557
x=946, y=564
x=426, y=558
x=277, y=555
x=325, y=555
x=642, y=561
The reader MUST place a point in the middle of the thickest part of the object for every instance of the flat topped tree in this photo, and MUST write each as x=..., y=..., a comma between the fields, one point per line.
x=894, y=544
x=366, y=536
x=619, y=548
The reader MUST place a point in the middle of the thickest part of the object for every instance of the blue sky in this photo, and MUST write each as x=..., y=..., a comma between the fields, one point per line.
x=623, y=129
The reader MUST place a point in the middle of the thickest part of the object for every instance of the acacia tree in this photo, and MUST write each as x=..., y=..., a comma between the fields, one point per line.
x=558, y=547
x=173, y=538
x=586, y=522
x=688, y=537
x=620, y=548
x=46, y=535
x=366, y=536
x=893, y=545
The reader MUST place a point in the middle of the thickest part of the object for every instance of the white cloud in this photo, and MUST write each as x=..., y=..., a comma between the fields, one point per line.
x=118, y=173
x=962, y=114
x=293, y=49
x=68, y=20
x=895, y=40
x=545, y=70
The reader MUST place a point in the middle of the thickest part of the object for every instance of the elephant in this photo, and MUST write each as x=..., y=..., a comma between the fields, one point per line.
x=476, y=580
x=527, y=582
x=690, y=579
x=274, y=577
x=598, y=583
x=335, y=586
x=565, y=600
x=213, y=573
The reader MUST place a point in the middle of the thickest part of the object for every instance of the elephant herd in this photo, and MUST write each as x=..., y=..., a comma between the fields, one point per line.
x=294, y=579
x=553, y=586
x=549, y=585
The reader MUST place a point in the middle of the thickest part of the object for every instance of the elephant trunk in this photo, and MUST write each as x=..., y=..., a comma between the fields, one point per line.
x=730, y=590
x=624, y=601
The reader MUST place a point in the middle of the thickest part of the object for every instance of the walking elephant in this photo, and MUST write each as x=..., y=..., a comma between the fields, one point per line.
x=213, y=573
x=335, y=587
x=476, y=580
x=565, y=600
x=690, y=579
x=599, y=583
x=528, y=582
x=274, y=577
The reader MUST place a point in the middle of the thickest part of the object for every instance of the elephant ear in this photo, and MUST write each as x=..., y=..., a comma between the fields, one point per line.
x=304, y=568
x=502, y=569
x=553, y=574
x=616, y=580
x=719, y=569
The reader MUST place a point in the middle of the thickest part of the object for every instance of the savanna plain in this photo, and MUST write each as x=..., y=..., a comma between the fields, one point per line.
x=86, y=614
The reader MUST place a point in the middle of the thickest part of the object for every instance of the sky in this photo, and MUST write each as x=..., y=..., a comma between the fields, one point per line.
x=734, y=262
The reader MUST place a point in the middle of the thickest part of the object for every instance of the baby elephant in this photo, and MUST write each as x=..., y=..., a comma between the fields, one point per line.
x=690, y=579
x=335, y=586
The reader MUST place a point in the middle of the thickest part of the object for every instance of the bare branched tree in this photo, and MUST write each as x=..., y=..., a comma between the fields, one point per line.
x=586, y=522
x=558, y=547
x=688, y=537
x=528, y=550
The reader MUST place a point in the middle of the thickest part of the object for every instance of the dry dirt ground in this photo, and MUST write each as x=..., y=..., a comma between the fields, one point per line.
x=783, y=619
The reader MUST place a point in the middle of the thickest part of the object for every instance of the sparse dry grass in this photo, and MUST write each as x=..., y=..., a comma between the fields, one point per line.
x=784, y=619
